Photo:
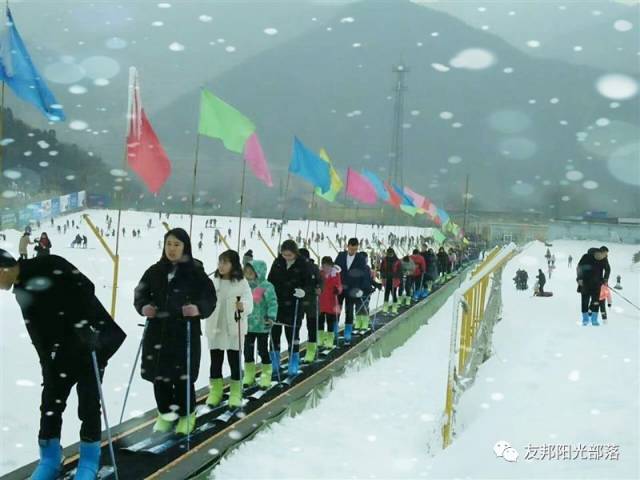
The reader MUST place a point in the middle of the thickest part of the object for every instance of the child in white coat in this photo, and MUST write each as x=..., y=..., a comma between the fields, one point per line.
x=227, y=326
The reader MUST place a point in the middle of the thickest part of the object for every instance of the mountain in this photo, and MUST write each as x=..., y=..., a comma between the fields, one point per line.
x=527, y=125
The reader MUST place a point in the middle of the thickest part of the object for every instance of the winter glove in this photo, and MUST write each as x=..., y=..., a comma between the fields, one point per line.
x=149, y=311
x=239, y=306
x=336, y=291
x=190, y=311
x=357, y=293
x=298, y=293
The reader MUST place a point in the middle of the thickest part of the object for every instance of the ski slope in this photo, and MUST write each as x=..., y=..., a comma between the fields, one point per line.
x=550, y=381
x=20, y=373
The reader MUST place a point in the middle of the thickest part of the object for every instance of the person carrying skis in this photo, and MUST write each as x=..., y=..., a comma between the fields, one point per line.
x=68, y=326
x=329, y=302
x=172, y=292
x=310, y=304
x=592, y=272
x=265, y=312
x=292, y=280
x=355, y=282
x=390, y=274
x=227, y=327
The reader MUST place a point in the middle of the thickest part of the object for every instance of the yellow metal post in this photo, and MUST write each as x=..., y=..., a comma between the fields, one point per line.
x=331, y=243
x=266, y=245
x=166, y=226
x=114, y=258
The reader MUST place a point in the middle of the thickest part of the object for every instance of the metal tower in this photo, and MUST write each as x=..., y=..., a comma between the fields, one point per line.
x=396, y=155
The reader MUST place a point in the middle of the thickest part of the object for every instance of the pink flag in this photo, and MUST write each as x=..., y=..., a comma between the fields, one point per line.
x=359, y=188
x=418, y=200
x=254, y=156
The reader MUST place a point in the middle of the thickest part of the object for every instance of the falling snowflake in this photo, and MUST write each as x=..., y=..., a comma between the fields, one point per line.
x=533, y=43
x=271, y=31
x=205, y=18
x=176, y=47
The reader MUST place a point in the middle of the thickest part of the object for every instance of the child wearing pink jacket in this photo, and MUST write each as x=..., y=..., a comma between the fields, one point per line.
x=605, y=294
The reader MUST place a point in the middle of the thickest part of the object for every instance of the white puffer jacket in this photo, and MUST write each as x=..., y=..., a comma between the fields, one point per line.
x=221, y=327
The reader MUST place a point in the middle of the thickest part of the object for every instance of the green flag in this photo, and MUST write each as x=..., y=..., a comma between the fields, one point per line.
x=438, y=236
x=220, y=120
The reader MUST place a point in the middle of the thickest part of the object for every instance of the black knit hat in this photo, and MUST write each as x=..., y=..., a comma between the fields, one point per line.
x=6, y=259
x=249, y=253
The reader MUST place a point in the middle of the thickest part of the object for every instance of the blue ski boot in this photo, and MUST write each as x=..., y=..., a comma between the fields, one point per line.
x=89, y=462
x=585, y=319
x=275, y=364
x=348, y=330
x=294, y=364
x=50, y=464
x=594, y=319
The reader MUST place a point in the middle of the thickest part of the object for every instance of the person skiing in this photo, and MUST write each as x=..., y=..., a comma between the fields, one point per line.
x=592, y=272
x=24, y=243
x=542, y=280
x=247, y=257
x=570, y=260
x=443, y=261
x=172, y=292
x=355, y=279
x=43, y=246
x=605, y=301
x=84, y=241
x=265, y=312
x=390, y=274
x=418, y=274
x=406, y=284
x=310, y=304
x=292, y=280
x=329, y=302
x=227, y=327
x=69, y=329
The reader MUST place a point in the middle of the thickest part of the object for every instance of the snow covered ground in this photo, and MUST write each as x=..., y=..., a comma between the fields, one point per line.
x=20, y=373
x=551, y=382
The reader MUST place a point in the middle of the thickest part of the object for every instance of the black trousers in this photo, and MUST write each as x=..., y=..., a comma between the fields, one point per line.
x=310, y=311
x=541, y=287
x=172, y=397
x=250, y=340
x=389, y=289
x=57, y=383
x=349, y=307
x=24, y=256
x=590, y=299
x=293, y=338
x=330, y=320
x=217, y=358
x=406, y=286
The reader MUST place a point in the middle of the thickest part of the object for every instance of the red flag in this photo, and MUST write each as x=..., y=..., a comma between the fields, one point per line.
x=358, y=187
x=145, y=154
x=394, y=198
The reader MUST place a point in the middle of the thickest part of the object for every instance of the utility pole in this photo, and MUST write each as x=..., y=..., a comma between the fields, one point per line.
x=466, y=205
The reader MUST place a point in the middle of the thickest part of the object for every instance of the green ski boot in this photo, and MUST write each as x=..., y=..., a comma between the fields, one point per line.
x=249, y=374
x=265, y=376
x=235, y=395
x=216, y=385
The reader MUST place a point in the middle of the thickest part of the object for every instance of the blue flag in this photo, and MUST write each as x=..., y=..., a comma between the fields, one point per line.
x=18, y=72
x=377, y=184
x=406, y=199
x=310, y=166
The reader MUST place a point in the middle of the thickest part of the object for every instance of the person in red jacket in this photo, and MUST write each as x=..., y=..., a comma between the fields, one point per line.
x=418, y=273
x=329, y=302
x=390, y=274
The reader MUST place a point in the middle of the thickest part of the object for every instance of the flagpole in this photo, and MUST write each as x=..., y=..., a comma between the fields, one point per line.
x=356, y=232
x=193, y=186
x=284, y=209
x=244, y=171
x=313, y=197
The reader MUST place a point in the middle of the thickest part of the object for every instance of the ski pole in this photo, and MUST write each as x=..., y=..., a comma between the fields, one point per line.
x=625, y=298
x=135, y=363
x=96, y=370
x=375, y=315
x=293, y=333
x=272, y=345
x=188, y=384
x=238, y=316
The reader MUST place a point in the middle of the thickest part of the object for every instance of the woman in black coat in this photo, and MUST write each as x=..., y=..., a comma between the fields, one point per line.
x=172, y=292
x=293, y=280
x=443, y=261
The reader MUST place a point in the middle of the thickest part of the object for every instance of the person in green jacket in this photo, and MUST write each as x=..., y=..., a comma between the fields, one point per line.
x=265, y=311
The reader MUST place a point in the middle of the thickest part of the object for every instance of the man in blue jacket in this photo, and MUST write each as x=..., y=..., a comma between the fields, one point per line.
x=356, y=282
